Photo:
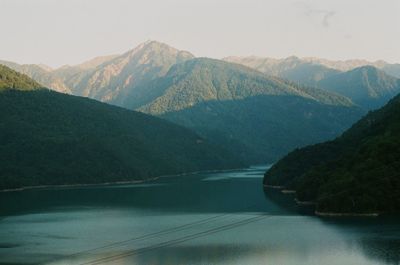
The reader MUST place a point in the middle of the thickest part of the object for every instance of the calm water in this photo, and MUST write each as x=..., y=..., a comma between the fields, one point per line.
x=223, y=218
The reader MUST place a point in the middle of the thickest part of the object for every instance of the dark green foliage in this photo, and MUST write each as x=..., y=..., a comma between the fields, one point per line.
x=157, y=79
x=204, y=79
x=52, y=138
x=259, y=117
x=265, y=128
x=357, y=172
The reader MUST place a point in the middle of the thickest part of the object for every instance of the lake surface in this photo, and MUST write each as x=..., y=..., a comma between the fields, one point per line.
x=216, y=218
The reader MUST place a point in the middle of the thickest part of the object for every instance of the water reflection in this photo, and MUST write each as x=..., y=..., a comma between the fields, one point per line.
x=166, y=222
x=197, y=193
x=384, y=250
x=376, y=238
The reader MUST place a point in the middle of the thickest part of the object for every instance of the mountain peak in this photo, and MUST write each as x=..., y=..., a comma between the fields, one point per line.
x=114, y=79
x=367, y=86
x=292, y=58
x=158, y=47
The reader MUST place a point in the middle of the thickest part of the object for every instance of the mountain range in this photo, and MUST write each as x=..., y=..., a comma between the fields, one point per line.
x=108, y=78
x=210, y=114
x=368, y=84
x=261, y=118
x=279, y=67
x=258, y=114
x=122, y=79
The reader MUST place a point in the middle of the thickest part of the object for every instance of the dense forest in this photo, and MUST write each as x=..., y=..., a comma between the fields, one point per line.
x=359, y=172
x=256, y=116
x=52, y=138
x=259, y=117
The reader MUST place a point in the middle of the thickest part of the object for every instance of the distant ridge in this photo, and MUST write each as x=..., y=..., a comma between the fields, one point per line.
x=275, y=66
x=367, y=86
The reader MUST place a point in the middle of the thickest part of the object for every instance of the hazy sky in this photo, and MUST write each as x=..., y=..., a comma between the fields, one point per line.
x=57, y=32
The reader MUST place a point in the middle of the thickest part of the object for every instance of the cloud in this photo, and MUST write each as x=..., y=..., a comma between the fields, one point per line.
x=324, y=14
x=327, y=16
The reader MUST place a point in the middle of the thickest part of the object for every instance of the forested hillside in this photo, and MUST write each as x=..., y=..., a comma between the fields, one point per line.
x=260, y=118
x=358, y=172
x=52, y=138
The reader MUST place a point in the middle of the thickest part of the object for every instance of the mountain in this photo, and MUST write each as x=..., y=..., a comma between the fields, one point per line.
x=221, y=101
x=362, y=81
x=12, y=79
x=41, y=74
x=356, y=173
x=70, y=75
x=258, y=117
x=291, y=68
x=308, y=74
x=347, y=65
x=95, y=62
x=61, y=79
x=110, y=79
x=204, y=79
x=392, y=69
x=366, y=86
x=115, y=81
x=51, y=138
x=316, y=67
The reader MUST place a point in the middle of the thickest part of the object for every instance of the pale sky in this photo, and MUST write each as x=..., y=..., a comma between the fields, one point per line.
x=58, y=32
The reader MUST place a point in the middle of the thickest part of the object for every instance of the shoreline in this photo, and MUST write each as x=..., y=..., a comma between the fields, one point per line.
x=305, y=203
x=285, y=191
x=117, y=182
x=274, y=187
x=77, y=185
x=333, y=214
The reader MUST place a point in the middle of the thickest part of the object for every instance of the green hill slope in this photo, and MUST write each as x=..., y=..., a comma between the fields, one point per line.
x=258, y=117
x=204, y=79
x=12, y=79
x=52, y=138
x=40, y=74
x=358, y=172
